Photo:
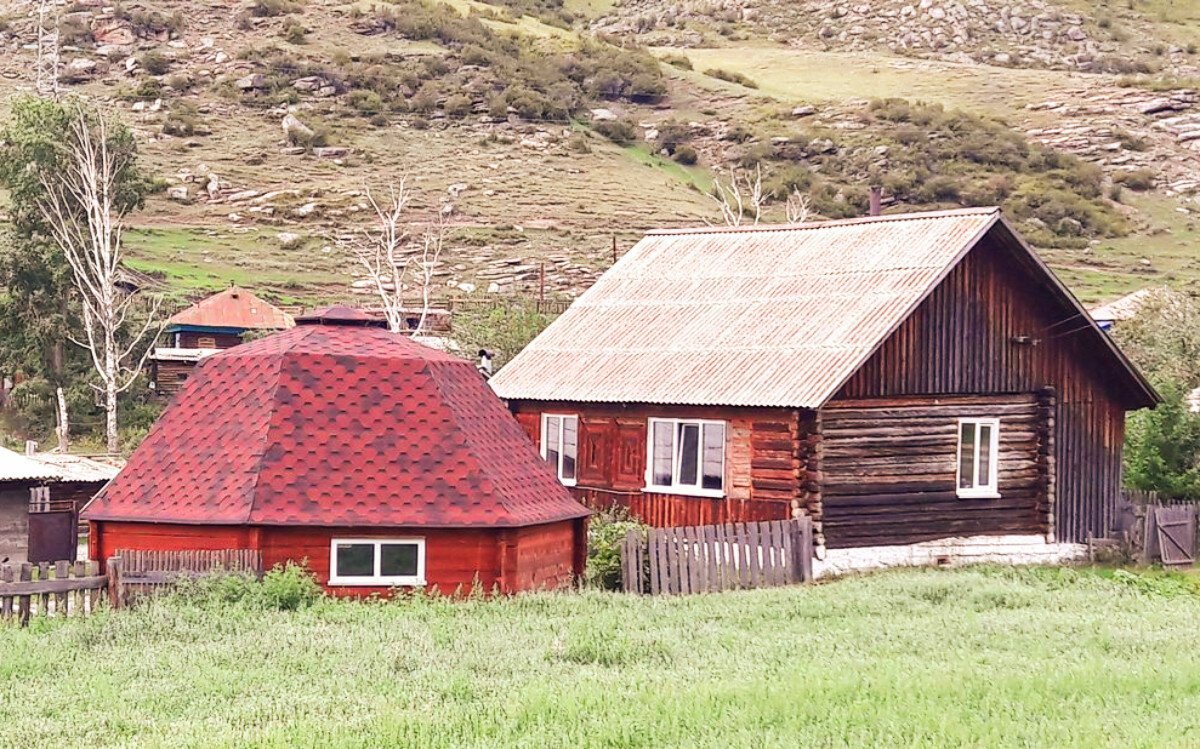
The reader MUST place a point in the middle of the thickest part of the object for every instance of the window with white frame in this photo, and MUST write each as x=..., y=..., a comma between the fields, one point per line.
x=377, y=561
x=978, y=457
x=560, y=444
x=686, y=456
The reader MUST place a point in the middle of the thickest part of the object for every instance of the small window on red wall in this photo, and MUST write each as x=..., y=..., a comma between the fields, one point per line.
x=560, y=444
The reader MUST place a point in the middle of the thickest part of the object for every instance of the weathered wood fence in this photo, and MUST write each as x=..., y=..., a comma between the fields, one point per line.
x=59, y=589
x=709, y=558
x=1153, y=528
x=77, y=588
x=135, y=574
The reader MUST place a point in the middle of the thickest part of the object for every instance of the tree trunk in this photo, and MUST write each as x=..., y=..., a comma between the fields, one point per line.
x=62, y=428
x=111, y=375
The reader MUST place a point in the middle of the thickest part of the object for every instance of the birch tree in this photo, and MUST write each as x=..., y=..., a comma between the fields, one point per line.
x=390, y=255
x=741, y=198
x=797, y=209
x=82, y=212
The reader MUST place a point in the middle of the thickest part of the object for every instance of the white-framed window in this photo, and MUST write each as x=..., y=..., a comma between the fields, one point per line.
x=39, y=499
x=686, y=456
x=560, y=445
x=382, y=562
x=978, y=457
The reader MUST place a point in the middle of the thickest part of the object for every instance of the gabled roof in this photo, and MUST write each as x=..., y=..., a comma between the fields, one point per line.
x=334, y=423
x=773, y=316
x=77, y=467
x=17, y=467
x=232, y=308
x=1128, y=306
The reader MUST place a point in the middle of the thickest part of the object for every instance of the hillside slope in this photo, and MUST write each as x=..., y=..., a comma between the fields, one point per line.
x=497, y=110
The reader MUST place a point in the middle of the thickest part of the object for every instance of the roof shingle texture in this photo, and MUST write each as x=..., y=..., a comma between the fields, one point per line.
x=764, y=316
x=336, y=425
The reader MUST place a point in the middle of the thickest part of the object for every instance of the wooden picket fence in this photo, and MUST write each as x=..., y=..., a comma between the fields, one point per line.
x=710, y=558
x=58, y=589
x=77, y=588
x=136, y=574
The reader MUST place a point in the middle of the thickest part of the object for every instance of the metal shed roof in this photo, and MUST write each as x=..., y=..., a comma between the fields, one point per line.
x=232, y=308
x=16, y=467
x=762, y=316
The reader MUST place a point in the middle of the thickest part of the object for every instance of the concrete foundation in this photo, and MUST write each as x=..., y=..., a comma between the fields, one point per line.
x=1023, y=549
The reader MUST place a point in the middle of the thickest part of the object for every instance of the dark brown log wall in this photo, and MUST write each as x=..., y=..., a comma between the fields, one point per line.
x=169, y=376
x=889, y=470
x=765, y=461
x=994, y=326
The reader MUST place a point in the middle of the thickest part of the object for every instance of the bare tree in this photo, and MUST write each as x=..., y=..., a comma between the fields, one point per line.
x=80, y=210
x=389, y=254
x=740, y=199
x=798, y=208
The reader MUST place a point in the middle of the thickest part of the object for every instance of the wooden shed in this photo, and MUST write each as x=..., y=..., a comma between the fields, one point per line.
x=380, y=462
x=217, y=322
x=899, y=379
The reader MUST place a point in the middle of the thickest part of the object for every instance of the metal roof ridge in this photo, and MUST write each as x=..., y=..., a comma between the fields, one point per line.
x=765, y=228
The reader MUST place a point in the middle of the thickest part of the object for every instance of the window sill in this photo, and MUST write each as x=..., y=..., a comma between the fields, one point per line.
x=969, y=494
x=376, y=582
x=568, y=482
x=685, y=491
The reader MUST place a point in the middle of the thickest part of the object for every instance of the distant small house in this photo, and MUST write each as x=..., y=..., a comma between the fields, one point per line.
x=40, y=498
x=1127, y=307
x=381, y=462
x=217, y=322
x=899, y=379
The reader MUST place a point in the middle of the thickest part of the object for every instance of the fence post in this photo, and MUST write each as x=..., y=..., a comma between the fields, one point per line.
x=114, y=582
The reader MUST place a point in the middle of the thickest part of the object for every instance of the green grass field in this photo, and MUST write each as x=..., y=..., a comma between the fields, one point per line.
x=978, y=657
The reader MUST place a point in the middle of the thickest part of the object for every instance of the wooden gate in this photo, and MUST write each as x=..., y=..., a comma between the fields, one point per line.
x=1175, y=534
x=709, y=558
x=53, y=536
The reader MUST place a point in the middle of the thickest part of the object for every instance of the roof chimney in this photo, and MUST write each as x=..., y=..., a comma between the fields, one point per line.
x=485, y=362
x=875, y=201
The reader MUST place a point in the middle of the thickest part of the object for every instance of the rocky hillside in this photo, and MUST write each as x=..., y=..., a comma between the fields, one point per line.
x=548, y=132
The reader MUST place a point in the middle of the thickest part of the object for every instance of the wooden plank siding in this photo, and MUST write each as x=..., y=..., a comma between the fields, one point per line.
x=889, y=469
x=991, y=327
x=511, y=560
x=764, y=470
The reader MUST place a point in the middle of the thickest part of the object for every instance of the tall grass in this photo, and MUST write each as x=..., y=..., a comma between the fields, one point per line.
x=917, y=658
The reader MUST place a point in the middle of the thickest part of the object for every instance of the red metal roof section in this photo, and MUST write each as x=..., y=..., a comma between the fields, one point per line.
x=234, y=308
x=336, y=425
x=340, y=314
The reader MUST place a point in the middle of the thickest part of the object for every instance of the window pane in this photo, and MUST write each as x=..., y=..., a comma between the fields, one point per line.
x=398, y=560
x=355, y=560
x=985, y=455
x=714, y=455
x=570, y=446
x=966, y=457
x=689, y=453
x=552, y=440
x=663, y=449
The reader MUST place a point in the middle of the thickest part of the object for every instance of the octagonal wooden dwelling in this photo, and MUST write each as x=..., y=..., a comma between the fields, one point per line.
x=379, y=462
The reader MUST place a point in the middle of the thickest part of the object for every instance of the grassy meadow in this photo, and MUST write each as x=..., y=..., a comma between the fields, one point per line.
x=975, y=657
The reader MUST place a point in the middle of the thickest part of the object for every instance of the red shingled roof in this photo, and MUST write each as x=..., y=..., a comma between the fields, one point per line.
x=336, y=425
x=233, y=308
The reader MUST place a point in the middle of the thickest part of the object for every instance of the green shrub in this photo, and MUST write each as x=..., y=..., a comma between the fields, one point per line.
x=289, y=587
x=183, y=120
x=682, y=62
x=606, y=531
x=458, y=105
x=686, y=155
x=155, y=63
x=672, y=134
x=621, y=132
x=731, y=76
x=578, y=143
x=273, y=8
x=294, y=32
x=1136, y=179
x=365, y=102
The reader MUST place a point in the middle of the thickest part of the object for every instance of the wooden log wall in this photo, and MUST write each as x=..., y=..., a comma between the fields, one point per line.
x=889, y=469
x=767, y=454
x=995, y=326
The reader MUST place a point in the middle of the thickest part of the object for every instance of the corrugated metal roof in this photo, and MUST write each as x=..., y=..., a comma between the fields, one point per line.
x=762, y=316
x=76, y=467
x=17, y=467
x=233, y=308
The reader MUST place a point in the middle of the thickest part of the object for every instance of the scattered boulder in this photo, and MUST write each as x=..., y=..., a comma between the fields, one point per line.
x=289, y=240
x=252, y=82
x=804, y=111
x=116, y=33
x=294, y=129
x=330, y=152
x=603, y=115
x=179, y=194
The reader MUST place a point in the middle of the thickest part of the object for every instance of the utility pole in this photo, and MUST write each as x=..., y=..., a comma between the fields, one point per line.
x=47, y=50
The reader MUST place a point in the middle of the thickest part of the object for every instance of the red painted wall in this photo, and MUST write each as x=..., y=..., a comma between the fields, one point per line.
x=545, y=556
